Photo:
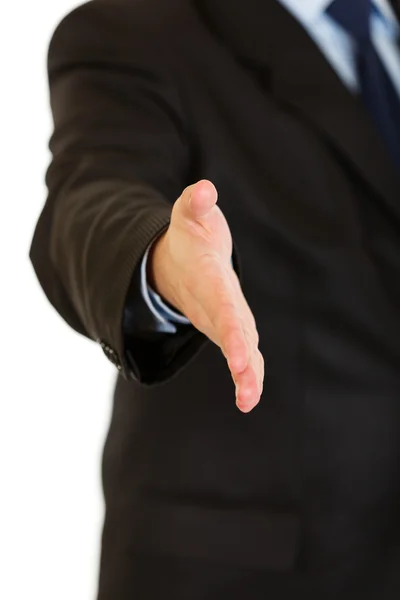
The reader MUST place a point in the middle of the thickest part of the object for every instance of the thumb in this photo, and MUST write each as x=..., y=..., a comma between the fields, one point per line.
x=198, y=200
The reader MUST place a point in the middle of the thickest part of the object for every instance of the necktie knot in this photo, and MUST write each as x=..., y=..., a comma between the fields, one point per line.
x=354, y=17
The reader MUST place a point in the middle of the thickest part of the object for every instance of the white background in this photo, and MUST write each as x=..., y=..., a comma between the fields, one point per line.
x=55, y=386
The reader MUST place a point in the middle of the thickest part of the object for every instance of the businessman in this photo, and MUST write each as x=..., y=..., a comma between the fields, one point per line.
x=224, y=194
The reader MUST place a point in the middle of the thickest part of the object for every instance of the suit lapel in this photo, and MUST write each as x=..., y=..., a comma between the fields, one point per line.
x=262, y=33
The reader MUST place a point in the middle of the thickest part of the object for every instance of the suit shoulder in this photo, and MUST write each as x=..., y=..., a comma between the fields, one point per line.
x=119, y=29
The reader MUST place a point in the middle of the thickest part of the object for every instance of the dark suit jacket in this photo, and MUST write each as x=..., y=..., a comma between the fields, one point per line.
x=301, y=497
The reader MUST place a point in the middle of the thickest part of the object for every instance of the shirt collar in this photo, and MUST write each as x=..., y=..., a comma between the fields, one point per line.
x=309, y=11
x=387, y=13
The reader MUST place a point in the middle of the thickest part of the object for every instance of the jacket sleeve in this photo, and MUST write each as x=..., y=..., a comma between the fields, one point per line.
x=120, y=158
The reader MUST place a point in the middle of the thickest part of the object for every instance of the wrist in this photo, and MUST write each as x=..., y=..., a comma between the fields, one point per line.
x=160, y=271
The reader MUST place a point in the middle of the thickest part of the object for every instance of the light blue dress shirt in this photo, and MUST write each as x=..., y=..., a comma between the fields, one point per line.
x=339, y=49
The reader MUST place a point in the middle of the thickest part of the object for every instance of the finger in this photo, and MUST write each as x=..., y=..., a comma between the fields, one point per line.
x=262, y=371
x=249, y=385
x=233, y=344
x=229, y=336
x=214, y=291
x=247, y=390
x=247, y=315
x=256, y=358
x=249, y=395
x=197, y=200
x=257, y=362
x=219, y=317
x=252, y=337
x=244, y=359
x=226, y=331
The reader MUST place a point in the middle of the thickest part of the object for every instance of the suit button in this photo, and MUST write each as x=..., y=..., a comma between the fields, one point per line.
x=111, y=354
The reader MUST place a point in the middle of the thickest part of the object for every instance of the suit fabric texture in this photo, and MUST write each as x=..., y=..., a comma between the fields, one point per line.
x=301, y=497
